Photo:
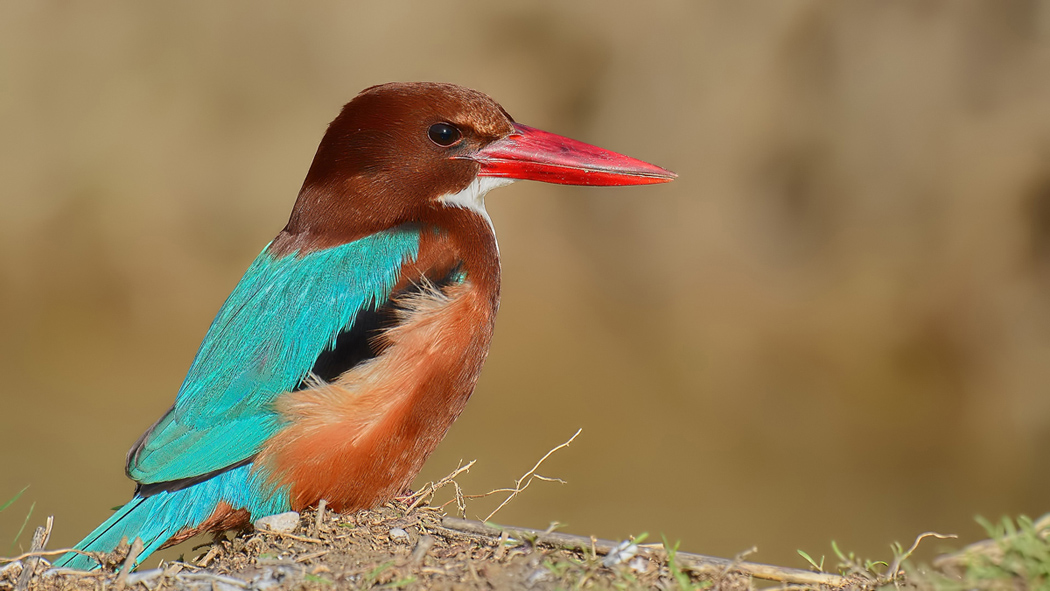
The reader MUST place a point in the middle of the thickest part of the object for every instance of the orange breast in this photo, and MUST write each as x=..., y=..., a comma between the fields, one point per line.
x=360, y=440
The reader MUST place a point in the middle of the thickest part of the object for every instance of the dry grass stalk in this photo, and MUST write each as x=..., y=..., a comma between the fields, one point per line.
x=40, y=539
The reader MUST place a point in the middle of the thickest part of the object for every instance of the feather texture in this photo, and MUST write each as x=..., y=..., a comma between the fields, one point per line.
x=158, y=518
x=356, y=337
x=283, y=314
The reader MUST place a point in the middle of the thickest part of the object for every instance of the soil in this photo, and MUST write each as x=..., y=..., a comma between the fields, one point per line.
x=403, y=547
x=400, y=548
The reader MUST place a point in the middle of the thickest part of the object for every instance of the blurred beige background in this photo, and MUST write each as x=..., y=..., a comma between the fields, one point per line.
x=834, y=325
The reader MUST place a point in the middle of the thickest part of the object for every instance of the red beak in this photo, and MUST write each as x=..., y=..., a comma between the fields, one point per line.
x=536, y=155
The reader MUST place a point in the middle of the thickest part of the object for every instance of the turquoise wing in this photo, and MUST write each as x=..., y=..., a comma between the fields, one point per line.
x=284, y=313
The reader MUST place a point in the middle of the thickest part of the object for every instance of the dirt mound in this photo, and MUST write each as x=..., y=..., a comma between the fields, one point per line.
x=400, y=547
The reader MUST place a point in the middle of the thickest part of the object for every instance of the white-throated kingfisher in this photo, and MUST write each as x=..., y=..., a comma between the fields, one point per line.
x=356, y=336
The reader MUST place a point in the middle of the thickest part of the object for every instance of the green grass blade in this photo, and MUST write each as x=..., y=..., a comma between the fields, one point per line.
x=14, y=498
x=23, y=528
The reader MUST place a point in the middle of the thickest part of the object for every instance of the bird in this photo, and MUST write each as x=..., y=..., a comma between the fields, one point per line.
x=355, y=338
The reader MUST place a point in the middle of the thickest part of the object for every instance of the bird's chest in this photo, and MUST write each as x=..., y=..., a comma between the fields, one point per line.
x=361, y=439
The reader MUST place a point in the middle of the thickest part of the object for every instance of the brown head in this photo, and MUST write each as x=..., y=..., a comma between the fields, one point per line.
x=403, y=152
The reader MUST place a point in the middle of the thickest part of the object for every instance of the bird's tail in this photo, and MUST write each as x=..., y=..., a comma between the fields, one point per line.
x=131, y=521
x=159, y=517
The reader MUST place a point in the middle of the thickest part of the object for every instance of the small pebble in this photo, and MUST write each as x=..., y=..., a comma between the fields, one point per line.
x=282, y=522
x=399, y=536
x=639, y=565
x=621, y=553
x=537, y=576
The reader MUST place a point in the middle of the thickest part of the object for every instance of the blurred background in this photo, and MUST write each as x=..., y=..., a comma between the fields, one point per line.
x=834, y=325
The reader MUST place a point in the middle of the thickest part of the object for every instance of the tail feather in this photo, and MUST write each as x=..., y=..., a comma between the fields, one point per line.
x=159, y=517
x=130, y=521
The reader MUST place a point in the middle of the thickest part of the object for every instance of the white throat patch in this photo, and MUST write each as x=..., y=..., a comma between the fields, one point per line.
x=473, y=197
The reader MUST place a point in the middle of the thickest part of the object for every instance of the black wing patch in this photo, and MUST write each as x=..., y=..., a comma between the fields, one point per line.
x=352, y=347
x=359, y=343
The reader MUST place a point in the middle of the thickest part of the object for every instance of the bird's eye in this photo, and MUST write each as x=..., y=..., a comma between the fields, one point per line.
x=444, y=134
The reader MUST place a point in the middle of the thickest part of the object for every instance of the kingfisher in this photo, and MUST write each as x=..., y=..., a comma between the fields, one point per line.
x=355, y=338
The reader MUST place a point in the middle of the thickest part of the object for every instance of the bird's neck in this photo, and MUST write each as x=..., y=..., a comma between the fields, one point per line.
x=449, y=237
x=460, y=238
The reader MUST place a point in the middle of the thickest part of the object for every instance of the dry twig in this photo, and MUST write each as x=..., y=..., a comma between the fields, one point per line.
x=291, y=536
x=311, y=556
x=695, y=562
x=420, y=551
x=40, y=538
x=25, y=555
x=320, y=516
x=430, y=488
x=529, y=476
x=129, y=563
x=891, y=572
x=213, y=551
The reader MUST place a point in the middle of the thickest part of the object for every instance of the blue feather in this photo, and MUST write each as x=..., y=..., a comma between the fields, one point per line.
x=283, y=314
x=157, y=518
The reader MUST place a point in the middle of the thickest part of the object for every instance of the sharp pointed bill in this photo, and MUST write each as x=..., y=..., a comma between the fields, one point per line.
x=356, y=337
x=533, y=154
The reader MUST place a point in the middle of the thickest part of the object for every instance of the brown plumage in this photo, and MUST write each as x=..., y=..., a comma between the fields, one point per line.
x=406, y=159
